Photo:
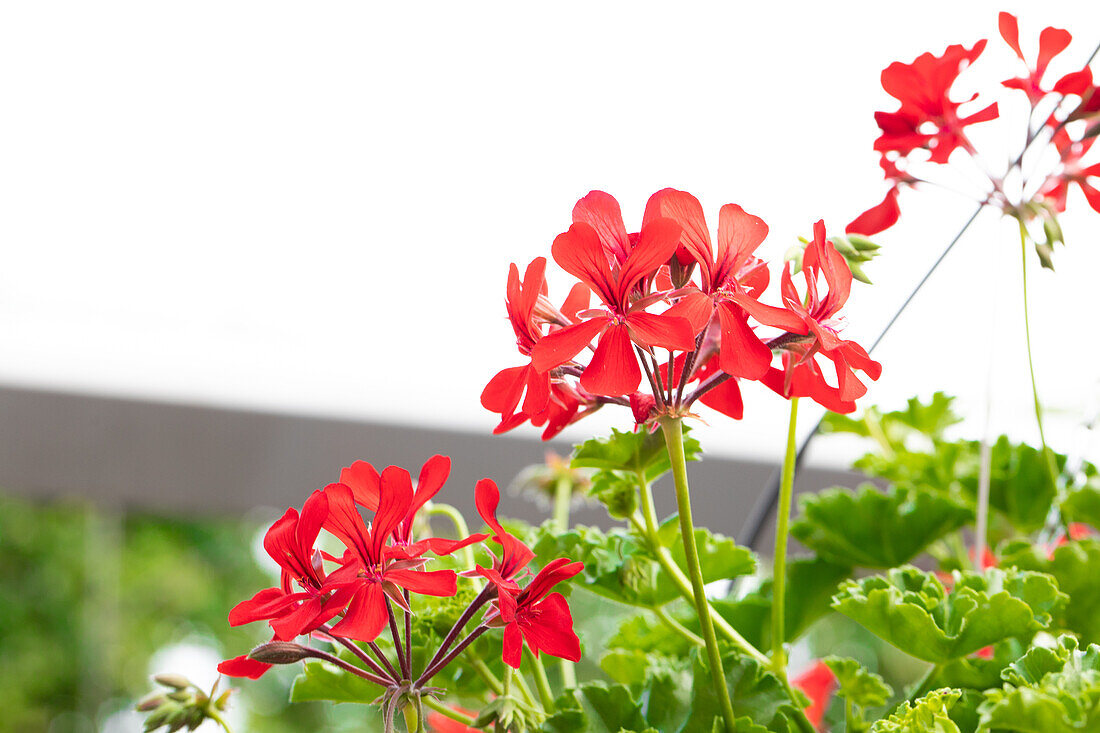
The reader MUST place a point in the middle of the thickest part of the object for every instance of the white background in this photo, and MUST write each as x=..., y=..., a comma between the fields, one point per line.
x=311, y=207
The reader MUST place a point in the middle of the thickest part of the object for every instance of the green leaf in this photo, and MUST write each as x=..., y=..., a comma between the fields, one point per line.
x=979, y=673
x=597, y=708
x=619, y=566
x=642, y=633
x=756, y=694
x=1083, y=504
x=318, y=681
x=929, y=714
x=811, y=584
x=1019, y=483
x=872, y=529
x=930, y=419
x=858, y=685
x=633, y=452
x=626, y=666
x=911, y=610
x=1047, y=691
x=1076, y=567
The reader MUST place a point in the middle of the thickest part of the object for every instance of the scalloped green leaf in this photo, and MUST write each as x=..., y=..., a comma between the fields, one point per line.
x=318, y=681
x=633, y=452
x=1076, y=567
x=857, y=685
x=930, y=418
x=756, y=694
x=1047, y=691
x=874, y=529
x=910, y=609
x=929, y=714
x=597, y=708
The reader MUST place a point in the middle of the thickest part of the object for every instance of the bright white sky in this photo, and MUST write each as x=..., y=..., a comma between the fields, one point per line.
x=312, y=207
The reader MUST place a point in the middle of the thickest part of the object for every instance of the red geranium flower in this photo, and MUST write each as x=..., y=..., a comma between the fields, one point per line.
x=514, y=555
x=365, y=484
x=924, y=88
x=371, y=570
x=1052, y=41
x=730, y=270
x=623, y=321
x=542, y=621
x=818, y=321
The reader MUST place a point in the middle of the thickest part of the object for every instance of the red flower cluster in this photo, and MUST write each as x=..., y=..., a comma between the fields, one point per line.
x=930, y=121
x=383, y=565
x=650, y=303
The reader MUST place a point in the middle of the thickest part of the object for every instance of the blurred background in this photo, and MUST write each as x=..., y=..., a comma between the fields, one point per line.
x=246, y=244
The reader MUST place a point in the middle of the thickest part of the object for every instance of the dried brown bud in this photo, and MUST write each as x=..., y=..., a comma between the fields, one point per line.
x=280, y=652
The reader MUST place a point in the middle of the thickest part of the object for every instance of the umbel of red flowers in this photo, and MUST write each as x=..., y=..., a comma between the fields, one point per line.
x=351, y=600
x=678, y=318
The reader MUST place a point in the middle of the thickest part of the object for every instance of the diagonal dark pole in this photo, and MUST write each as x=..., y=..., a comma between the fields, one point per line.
x=765, y=503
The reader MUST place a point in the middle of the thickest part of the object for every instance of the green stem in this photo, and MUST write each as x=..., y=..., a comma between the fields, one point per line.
x=924, y=685
x=524, y=688
x=563, y=500
x=487, y=674
x=782, y=528
x=462, y=531
x=677, y=627
x=213, y=715
x=682, y=582
x=1052, y=465
x=542, y=683
x=448, y=712
x=674, y=440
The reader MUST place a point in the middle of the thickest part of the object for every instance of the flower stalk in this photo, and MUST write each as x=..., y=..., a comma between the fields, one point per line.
x=782, y=530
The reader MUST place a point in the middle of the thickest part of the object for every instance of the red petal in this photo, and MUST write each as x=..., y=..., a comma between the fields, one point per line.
x=366, y=615
x=685, y=210
x=1052, y=41
x=433, y=474
x=664, y=331
x=345, y=522
x=696, y=307
x=243, y=666
x=429, y=583
x=877, y=218
x=579, y=252
x=268, y=603
x=613, y=370
x=394, y=501
x=513, y=645
x=770, y=315
x=657, y=243
x=1092, y=195
x=601, y=211
x=441, y=546
x=502, y=393
x=1010, y=31
x=576, y=301
x=487, y=498
x=558, y=347
x=552, y=631
x=739, y=234
x=726, y=398
x=362, y=479
x=742, y=353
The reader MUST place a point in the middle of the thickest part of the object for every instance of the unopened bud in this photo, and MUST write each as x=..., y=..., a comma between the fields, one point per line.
x=180, y=696
x=150, y=702
x=279, y=652
x=173, y=680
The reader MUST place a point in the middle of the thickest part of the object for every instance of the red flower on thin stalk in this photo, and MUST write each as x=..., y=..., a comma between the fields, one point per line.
x=372, y=571
x=622, y=322
x=514, y=555
x=537, y=617
x=1052, y=41
x=927, y=118
x=365, y=484
x=290, y=542
x=813, y=328
x=729, y=270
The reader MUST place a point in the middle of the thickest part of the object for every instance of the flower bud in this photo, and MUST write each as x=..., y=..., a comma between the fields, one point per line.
x=173, y=680
x=279, y=652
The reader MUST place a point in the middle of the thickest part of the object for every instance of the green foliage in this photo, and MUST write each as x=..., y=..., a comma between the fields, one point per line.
x=319, y=681
x=1047, y=691
x=597, y=708
x=929, y=420
x=1076, y=567
x=929, y=714
x=1082, y=504
x=636, y=452
x=872, y=529
x=911, y=610
x=856, y=685
x=756, y=694
x=811, y=583
x=619, y=566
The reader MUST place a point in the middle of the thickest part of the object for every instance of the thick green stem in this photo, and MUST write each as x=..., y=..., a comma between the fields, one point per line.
x=782, y=528
x=542, y=683
x=217, y=718
x=563, y=500
x=487, y=674
x=674, y=440
x=1052, y=465
x=448, y=712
